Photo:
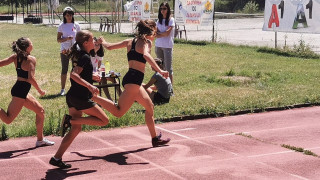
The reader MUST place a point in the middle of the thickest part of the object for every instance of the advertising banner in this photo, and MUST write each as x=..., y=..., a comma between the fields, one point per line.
x=198, y=12
x=139, y=9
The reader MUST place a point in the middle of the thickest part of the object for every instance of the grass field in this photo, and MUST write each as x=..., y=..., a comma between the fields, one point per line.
x=208, y=79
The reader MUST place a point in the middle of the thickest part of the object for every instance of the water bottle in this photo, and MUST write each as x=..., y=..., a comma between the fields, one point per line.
x=102, y=70
x=107, y=66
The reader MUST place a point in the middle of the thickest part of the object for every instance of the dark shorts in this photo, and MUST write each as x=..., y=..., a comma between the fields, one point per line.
x=133, y=77
x=159, y=99
x=79, y=103
x=20, y=89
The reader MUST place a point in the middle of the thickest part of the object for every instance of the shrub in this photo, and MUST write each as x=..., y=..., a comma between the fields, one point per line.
x=251, y=7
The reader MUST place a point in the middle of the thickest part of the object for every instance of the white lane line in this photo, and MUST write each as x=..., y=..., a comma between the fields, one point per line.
x=200, y=142
x=312, y=148
x=229, y=134
x=37, y=158
x=141, y=158
x=300, y=177
x=274, y=129
x=294, y=175
x=186, y=129
x=173, y=133
x=268, y=154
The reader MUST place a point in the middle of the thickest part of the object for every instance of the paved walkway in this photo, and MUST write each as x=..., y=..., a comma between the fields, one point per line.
x=235, y=147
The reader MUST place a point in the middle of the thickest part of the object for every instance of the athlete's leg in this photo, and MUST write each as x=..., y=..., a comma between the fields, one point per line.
x=126, y=100
x=34, y=105
x=144, y=99
x=14, y=109
x=96, y=117
x=72, y=134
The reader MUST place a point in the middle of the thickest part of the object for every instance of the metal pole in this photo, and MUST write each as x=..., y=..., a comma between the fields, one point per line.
x=90, y=13
x=212, y=40
x=16, y=12
x=12, y=10
x=40, y=10
x=22, y=10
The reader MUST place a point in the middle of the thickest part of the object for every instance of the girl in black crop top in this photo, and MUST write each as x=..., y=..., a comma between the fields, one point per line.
x=79, y=96
x=138, y=53
x=133, y=54
x=25, y=67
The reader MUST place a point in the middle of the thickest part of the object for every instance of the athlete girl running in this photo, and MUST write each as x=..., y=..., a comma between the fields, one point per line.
x=25, y=65
x=138, y=53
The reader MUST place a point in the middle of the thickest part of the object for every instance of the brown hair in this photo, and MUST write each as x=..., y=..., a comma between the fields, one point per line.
x=81, y=37
x=160, y=16
x=146, y=28
x=20, y=48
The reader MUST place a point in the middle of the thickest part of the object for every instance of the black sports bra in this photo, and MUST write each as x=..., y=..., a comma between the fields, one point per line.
x=134, y=55
x=20, y=72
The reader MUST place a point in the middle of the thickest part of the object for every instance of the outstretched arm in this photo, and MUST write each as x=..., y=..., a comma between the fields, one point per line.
x=151, y=61
x=31, y=74
x=111, y=46
x=7, y=60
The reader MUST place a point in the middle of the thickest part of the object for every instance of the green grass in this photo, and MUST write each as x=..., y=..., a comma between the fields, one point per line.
x=257, y=79
x=299, y=149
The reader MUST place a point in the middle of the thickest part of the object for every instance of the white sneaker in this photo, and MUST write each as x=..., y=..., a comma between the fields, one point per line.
x=62, y=92
x=44, y=142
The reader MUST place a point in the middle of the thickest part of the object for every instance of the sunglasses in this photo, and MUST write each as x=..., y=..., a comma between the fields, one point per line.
x=163, y=9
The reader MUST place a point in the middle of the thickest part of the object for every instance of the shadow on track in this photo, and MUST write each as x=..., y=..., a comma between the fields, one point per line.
x=119, y=158
x=59, y=174
x=11, y=154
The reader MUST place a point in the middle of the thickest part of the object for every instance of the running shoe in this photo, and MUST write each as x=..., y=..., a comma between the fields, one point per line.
x=65, y=125
x=44, y=142
x=62, y=92
x=59, y=163
x=157, y=141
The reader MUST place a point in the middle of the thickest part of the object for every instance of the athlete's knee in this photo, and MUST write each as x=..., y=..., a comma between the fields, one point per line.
x=8, y=120
x=150, y=109
x=76, y=128
x=118, y=114
x=105, y=121
x=40, y=112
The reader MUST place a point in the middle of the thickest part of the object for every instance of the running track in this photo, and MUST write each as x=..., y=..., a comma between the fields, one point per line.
x=200, y=149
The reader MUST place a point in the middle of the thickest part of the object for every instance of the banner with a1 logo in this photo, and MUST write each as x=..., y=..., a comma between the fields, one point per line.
x=198, y=12
x=139, y=9
x=292, y=16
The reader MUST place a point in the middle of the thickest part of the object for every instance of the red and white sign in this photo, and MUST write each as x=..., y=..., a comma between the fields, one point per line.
x=198, y=12
x=292, y=16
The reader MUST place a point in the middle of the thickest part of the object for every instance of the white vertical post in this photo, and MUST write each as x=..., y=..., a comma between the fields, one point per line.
x=276, y=39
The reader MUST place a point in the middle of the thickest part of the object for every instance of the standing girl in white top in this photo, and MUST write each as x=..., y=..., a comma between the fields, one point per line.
x=165, y=36
x=66, y=36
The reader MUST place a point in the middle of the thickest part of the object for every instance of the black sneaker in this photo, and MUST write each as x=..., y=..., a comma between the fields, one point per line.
x=65, y=124
x=59, y=163
x=157, y=141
